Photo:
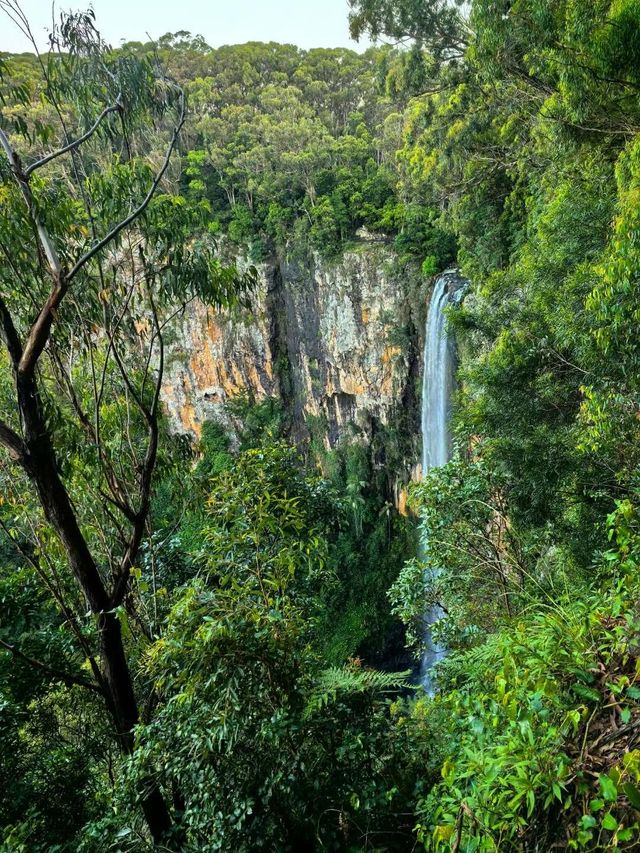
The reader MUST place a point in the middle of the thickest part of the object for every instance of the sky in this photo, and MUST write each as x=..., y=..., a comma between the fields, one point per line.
x=306, y=23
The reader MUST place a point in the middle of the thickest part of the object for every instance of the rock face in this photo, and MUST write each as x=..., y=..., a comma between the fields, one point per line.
x=340, y=342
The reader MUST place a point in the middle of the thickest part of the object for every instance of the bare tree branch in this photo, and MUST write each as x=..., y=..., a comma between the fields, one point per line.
x=146, y=476
x=117, y=107
x=81, y=262
x=23, y=183
x=65, y=677
x=119, y=497
x=9, y=334
x=39, y=332
x=12, y=441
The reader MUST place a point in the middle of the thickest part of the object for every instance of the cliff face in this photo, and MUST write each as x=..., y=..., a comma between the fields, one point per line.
x=339, y=341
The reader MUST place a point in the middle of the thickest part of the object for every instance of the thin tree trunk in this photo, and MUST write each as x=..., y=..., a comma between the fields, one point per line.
x=40, y=465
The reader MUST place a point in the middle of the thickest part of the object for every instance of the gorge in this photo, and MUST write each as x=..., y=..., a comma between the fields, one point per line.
x=303, y=351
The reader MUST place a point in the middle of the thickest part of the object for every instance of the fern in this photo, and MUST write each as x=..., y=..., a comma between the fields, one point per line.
x=349, y=680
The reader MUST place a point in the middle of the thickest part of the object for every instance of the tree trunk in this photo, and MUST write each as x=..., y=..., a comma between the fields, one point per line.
x=117, y=678
x=41, y=467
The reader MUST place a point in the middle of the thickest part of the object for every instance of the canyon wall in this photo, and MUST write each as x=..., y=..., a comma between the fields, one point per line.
x=338, y=342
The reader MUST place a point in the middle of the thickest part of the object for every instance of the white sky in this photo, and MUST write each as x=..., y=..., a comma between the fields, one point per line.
x=306, y=23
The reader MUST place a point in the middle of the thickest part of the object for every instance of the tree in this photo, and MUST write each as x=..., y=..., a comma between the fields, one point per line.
x=96, y=259
x=440, y=26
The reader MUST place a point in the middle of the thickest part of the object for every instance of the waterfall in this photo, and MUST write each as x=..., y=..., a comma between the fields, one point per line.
x=437, y=387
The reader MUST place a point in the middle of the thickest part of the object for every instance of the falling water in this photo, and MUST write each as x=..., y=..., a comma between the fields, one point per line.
x=437, y=386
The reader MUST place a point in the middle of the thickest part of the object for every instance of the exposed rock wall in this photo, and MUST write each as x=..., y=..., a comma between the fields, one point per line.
x=340, y=341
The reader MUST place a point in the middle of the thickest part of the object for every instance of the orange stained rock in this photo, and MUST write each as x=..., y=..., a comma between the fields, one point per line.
x=168, y=392
x=390, y=353
x=188, y=419
x=386, y=386
x=238, y=382
x=268, y=367
x=254, y=378
x=350, y=385
x=402, y=502
x=142, y=327
x=214, y=332
x=203, y=364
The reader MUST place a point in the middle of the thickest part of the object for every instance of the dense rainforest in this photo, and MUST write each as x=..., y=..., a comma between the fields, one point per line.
x=208, y=642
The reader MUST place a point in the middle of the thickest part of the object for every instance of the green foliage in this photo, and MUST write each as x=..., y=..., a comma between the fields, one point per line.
x=45, y=780
x=521, y=726
x=438, y=26
x=236, y=676
x=298, y=152
x=524, y=710
x=258, y=423
x=367, y=549
x=214, y=447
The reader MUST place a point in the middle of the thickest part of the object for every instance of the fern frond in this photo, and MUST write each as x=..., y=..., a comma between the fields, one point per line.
x=350, y=680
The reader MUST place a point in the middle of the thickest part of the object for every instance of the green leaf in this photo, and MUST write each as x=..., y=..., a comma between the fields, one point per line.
x=587, y=692
x=633, y=794
x=608, y=788
x=609, y=822
x=531, y=802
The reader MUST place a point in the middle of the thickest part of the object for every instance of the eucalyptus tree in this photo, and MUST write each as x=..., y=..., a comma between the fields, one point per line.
x=440, y=26
x=96, y=259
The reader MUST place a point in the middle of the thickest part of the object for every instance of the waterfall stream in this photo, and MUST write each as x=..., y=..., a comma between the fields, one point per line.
x=437, y=387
